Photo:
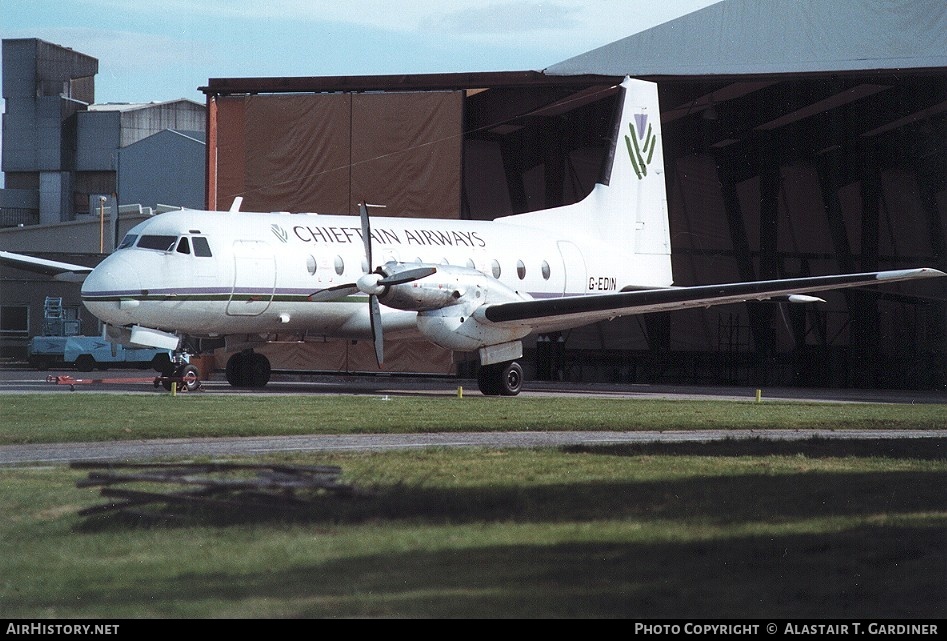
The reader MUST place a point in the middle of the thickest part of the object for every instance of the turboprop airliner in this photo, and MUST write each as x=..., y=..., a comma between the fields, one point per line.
x=188, y=279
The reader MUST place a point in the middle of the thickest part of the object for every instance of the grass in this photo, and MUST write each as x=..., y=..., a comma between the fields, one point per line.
x=738, y=530
x=823, y=528
x=28, y=418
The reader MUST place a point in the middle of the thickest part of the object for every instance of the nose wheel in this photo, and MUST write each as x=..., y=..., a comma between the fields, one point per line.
x=186, y=377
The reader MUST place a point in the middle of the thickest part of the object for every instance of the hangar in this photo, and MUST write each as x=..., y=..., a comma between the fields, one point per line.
x=801, y=138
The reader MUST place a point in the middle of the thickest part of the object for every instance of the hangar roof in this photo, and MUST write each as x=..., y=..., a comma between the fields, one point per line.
x=737, y=37
x=729, y=38
x=133, y=106
x=393, y=82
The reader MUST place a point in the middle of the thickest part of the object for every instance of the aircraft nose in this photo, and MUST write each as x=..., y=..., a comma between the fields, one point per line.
x=107, y=292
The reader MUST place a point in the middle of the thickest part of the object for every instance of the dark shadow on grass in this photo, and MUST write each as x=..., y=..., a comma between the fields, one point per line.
x=815, y=447
x=719, y=500
x=861, y=573
x=749, y=497
x=865, y=572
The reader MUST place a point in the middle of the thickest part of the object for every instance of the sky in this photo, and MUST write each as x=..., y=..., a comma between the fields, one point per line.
x=157, y=50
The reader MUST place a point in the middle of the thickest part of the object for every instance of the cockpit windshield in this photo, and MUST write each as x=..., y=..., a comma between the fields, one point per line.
x=128, y=241
x=201, y=247
x=161, y=243
x=167, y=243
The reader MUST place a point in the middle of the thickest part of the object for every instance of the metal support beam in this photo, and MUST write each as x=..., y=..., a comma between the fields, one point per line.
x=931, y=178
x=511, y=151
x=553, y=161
x=864, y=309
x=765, y=316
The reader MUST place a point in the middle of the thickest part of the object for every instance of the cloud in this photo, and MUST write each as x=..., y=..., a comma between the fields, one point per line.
x=585, y=19
x=508, y=18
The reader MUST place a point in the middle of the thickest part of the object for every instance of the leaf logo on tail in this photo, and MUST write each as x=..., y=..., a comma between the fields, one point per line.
x=641, y=144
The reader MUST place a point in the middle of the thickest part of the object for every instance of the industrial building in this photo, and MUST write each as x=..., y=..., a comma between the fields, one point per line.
x=66, y=162
x=800, y=139
x=61, y=150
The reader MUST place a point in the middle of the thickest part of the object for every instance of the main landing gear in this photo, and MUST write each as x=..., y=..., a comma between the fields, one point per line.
x=500, y=379
x=248, y=369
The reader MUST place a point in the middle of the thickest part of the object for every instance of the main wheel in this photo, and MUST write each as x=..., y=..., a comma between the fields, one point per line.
x=238, y=370
x=248, y=369
x=511, y=379
x=488, y=380
x=500, y=379
x=260, y=371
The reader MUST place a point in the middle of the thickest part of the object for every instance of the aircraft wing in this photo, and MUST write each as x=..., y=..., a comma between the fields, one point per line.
x=60, y=271
x=556, y=312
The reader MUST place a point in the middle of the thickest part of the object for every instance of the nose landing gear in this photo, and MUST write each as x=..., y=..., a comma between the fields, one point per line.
x=181, y=373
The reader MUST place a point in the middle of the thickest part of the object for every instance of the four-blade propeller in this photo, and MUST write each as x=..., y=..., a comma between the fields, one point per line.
x=374, y=284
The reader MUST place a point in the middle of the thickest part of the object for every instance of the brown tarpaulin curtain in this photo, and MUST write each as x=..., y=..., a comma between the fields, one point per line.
x=406, y=153
x=327, y=152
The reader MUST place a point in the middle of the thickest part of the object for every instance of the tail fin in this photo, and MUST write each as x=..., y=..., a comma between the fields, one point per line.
x=627, y=208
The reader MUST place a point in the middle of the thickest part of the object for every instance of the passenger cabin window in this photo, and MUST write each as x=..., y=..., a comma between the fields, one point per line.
x=201, y=247
x=161, y=243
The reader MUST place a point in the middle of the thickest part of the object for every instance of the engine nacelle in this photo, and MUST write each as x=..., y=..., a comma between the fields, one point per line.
x=432, y=292
x=465, y=333
x=449, y=286
x=446, y=302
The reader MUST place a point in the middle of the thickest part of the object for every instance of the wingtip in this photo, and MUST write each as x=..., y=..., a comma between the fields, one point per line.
x=901, y=274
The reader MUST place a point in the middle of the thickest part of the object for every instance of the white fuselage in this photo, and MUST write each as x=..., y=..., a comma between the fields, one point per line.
x=263, y=268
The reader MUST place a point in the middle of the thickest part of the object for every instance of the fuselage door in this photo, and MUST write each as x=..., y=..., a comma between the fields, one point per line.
x=254, y=278
x=574, y=266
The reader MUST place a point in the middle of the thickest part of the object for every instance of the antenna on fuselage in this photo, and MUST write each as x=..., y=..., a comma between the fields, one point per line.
x=236, y=203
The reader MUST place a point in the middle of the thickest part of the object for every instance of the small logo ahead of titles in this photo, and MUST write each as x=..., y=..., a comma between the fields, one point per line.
x=641, y=144
x=279, y=232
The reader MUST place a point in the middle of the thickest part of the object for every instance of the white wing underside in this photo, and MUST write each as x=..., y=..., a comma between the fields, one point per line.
x=60, y=271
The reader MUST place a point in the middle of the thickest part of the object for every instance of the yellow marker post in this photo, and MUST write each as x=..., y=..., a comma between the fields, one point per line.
x=460, y=391
x=174, y=388
x=759, y=394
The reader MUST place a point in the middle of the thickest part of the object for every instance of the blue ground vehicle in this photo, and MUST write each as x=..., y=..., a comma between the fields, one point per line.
x=59, y=346
x=86, y=353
